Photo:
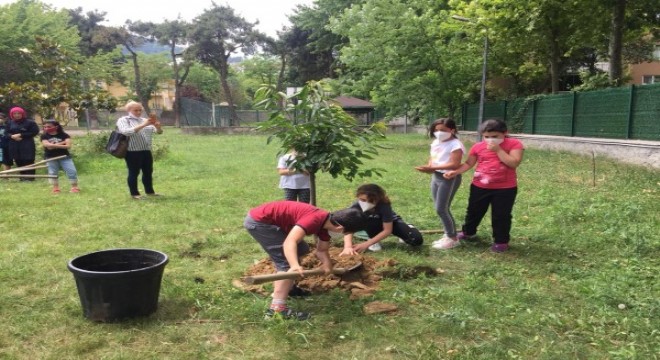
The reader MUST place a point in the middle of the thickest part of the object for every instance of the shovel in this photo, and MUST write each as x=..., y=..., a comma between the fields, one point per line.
x=260, y=279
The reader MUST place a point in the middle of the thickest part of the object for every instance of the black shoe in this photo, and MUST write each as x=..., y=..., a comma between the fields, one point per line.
x=299, y=292
x=287, y=314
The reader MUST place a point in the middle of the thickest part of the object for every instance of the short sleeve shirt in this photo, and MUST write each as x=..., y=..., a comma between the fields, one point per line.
x=287, y=214
x=491, y=173
x=295, y=181
x=54, y=139
x=441, y=151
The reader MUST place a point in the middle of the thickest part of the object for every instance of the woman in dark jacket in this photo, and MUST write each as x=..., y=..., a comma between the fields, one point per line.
x=21, y=132
x=4, y=139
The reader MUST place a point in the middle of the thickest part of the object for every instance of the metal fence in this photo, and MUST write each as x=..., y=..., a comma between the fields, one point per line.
x=621, y=113
x=203, y=114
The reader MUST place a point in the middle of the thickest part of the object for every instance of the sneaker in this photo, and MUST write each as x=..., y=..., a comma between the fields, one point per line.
x=288, y=314
x=375, y=247
x=75, y=190
x=461, y=236
x=401, y=241
x=299, y=292
x=56, y=191
x=498, y=248
x=442, y=239
x=445, y=243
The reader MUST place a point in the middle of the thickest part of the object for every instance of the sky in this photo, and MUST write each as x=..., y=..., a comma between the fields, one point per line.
x=272, y=14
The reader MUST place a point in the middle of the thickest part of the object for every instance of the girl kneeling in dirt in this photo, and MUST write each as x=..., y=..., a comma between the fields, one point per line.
x=381, y=222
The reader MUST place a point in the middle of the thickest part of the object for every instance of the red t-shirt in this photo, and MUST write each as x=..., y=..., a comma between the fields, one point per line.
x=491, y=173
x=287, y=214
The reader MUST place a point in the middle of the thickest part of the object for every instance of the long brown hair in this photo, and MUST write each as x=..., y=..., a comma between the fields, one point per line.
x=375, y=194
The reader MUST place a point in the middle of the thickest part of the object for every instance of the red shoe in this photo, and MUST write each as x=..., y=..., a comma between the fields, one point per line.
x=56, y=191
x=75, y=190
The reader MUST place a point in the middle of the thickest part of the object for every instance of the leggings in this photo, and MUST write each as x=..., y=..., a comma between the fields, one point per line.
x=443, y=191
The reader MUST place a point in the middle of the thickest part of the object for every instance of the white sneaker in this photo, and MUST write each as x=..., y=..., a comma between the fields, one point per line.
x=375, y=247
x=401, y=241
x=442, y=239
x=445, y=243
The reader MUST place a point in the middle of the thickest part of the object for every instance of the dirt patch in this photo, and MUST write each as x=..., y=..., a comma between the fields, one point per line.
x=360, y=282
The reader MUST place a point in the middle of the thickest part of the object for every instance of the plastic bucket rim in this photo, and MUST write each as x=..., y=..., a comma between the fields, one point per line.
x=76, y=270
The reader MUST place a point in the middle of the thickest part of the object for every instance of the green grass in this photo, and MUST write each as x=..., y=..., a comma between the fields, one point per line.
x=578, y=251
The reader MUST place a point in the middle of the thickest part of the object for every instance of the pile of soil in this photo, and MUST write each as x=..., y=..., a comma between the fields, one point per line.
x=360, y=282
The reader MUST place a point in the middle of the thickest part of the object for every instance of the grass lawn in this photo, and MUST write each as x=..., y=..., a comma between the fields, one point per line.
x=578, y=283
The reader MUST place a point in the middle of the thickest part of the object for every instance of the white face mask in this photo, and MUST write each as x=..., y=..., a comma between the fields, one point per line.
x=365, y=205
x=442, y=135
x=495, y=141
x=335, y=235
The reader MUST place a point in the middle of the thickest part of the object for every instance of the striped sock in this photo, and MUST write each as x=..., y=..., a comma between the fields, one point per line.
x=278, y=305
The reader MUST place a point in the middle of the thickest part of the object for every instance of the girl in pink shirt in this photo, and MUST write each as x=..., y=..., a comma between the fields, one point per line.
x=494, y=184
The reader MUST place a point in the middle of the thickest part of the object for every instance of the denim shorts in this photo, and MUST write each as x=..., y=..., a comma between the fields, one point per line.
x=271, y=238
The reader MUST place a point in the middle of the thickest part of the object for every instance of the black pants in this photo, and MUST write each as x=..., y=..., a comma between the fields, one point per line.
x=501, y=204
x=24, y=162
x=302, y=195
x=137, y=161
x=400, y=229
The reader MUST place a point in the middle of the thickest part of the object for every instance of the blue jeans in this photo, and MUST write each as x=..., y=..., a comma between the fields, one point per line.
x=66, y=164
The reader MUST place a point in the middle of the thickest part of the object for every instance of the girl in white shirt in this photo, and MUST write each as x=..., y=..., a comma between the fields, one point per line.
x=295, y=183
x=446, y=154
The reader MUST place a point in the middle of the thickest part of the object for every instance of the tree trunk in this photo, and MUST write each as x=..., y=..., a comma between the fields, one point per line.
x=312, y=188
x=138, y=80
x=224, y=76
x=280, y=76
x=616, y=42
x=280, y=81
x=555, y=66
x=177, y=86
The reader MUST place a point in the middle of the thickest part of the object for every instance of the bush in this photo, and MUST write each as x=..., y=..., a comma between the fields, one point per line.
x=94, y=143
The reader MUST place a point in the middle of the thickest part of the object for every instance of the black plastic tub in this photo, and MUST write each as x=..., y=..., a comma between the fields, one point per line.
x=118, y=284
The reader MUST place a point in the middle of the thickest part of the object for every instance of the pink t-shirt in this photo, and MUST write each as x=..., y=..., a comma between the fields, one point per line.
x=287, y=214
x=491, y=173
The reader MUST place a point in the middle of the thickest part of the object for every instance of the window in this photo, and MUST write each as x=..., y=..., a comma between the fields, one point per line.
x=651, y=79
x=656, y=53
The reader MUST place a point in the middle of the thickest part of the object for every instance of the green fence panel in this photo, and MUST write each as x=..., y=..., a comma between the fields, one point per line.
x=472, y=117
x=520, y=116
x=494, y=110
x=553, y=115
x=631, y=112
x=603, y=113
x=195, y=113
x=645, y=118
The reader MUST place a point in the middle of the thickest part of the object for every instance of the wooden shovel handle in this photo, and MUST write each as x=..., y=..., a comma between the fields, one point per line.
x=260, y=279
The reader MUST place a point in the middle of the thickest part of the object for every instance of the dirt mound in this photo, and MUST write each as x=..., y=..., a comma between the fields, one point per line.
x=362, y=281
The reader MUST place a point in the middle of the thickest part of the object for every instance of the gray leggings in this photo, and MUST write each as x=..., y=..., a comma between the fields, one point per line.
x=443, y=191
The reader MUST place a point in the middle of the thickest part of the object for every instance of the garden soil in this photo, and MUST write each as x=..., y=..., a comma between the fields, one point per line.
x=360, y=282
